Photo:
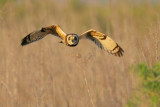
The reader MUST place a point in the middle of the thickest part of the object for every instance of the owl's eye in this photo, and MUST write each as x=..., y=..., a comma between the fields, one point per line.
x=75, y=38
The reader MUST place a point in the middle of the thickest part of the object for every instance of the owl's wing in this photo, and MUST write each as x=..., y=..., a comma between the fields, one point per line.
x=39, y=34
x=103, y=41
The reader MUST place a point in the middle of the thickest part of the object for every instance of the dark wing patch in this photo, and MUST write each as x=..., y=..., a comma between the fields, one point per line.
x=117, y=51
x=26, y=40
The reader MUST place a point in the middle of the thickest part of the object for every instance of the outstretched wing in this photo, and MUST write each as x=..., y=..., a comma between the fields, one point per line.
x=39, y=34
x=103, y=41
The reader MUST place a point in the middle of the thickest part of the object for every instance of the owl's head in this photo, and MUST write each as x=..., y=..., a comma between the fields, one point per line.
x=72, y=39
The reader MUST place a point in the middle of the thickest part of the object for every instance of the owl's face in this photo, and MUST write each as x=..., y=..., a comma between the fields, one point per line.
x=72, y=39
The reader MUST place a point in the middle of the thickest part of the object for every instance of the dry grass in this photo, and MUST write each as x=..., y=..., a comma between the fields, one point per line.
x=50, y=74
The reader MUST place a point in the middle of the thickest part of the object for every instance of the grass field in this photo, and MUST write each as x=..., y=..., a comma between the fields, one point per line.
x=49, y=74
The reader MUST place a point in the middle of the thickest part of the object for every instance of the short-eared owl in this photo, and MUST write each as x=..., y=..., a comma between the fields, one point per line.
x=101, y=40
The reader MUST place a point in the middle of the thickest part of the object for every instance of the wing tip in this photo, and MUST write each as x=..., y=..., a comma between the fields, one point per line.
x=24, y=40
x=120, y=52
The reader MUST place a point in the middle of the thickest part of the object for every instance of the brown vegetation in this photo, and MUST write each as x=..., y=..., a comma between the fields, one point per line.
x=47, y=73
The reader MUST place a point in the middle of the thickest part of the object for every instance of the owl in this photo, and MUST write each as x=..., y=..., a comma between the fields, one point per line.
x=101, y=40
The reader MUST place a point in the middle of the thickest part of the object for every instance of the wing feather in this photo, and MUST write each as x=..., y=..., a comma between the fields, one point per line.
x=39, y=34
x=103, y=41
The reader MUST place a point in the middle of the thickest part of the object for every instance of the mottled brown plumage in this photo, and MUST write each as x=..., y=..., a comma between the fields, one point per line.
x=100, y=39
